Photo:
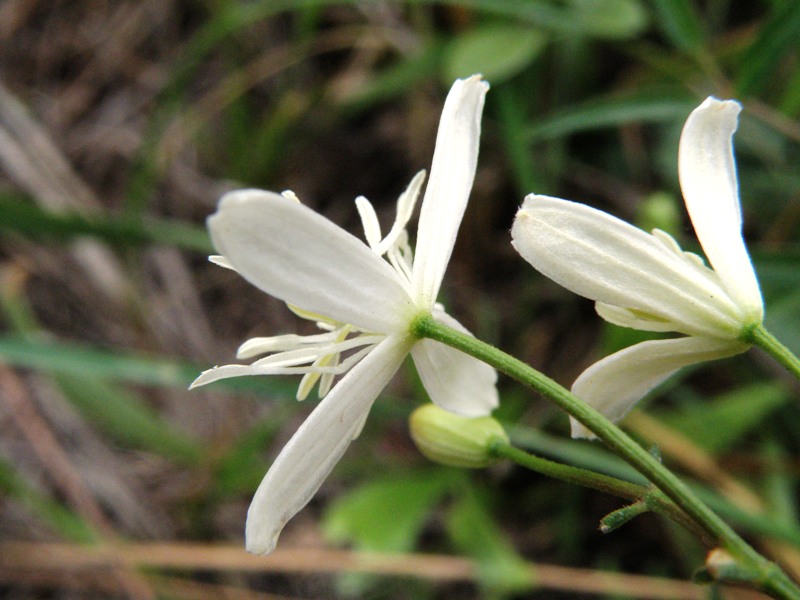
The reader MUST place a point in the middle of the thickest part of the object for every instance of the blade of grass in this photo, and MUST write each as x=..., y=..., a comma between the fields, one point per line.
x=777, y=37
x=27, y=219
x=611, y=112
x=65, y=522
x=105, y=365
x=679, y=22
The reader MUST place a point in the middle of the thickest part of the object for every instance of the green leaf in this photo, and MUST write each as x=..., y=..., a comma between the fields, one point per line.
x=613, y=19
x=496, y=51
x=612, y=111
x=776, y=38
x=717, y=424
x=474, y=532
x=679, y=22
x=387, y=514
x=395, y=80
x=24, y=217
x=80, y=359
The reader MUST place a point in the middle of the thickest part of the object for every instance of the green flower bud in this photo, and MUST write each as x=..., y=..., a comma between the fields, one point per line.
x=454, y=440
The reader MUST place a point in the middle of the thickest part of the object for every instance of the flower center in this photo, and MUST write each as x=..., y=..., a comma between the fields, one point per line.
x=321, y=357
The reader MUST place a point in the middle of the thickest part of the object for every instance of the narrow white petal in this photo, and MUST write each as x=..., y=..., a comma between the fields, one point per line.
x=708, y=179
x=452, y=172
x=314, y=450
x=616, y=383
x=455, y=381
x=293, y=253
x=603, y=258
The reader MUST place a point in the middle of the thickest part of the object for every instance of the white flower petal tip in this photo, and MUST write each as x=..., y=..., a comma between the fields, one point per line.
x=616, y=383
x=455, y=159
x=707, y=170
x=312, y=453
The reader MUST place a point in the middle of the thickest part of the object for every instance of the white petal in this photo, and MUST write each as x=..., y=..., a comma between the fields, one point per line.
x=314, y=450
x=452, y=172
x=603, y=258
x=625, y=317
x=455, y=381
x=616, y=383
x=708, y=179
x=293, y=253
x=220, y=261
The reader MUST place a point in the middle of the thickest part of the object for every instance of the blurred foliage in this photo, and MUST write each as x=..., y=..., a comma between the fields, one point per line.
x=124, y=122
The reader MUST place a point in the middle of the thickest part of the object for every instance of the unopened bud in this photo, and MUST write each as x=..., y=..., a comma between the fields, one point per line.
x=454, y=440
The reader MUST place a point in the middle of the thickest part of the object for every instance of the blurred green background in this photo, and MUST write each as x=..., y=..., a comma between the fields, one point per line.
x=121, y=124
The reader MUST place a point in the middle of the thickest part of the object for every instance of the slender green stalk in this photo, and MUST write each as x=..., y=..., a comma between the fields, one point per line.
x=570, y=474
x=767, y=576
x=651, y=498
x=762, y=338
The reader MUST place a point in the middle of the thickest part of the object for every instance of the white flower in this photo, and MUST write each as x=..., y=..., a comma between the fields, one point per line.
x=363, y=297
x=645, y=281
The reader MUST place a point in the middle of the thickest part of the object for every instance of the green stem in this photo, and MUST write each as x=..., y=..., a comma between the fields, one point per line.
x=762, y=338
x=650, y=497
x=570, y=474
x=769, y=577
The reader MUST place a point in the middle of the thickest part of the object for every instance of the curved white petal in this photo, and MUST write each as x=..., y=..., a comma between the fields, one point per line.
x=616, y=383
x=295, y=254
x=314, y=450
x=452, y=172
x=708, y=179
x=455, y=381
x=603, y=258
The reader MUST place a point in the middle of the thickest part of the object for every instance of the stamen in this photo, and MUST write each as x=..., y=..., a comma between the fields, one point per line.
x=281, y=343
x=400, y=265
x=309, y=379
x=405, y=208
x=312, y=316
x=369, y=221
x=313, y=353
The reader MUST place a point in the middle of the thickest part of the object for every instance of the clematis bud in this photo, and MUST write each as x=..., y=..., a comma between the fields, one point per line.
x=454, y=440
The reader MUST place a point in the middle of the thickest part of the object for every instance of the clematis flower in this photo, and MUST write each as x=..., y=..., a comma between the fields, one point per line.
x=644, y=280
x=363, y=297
